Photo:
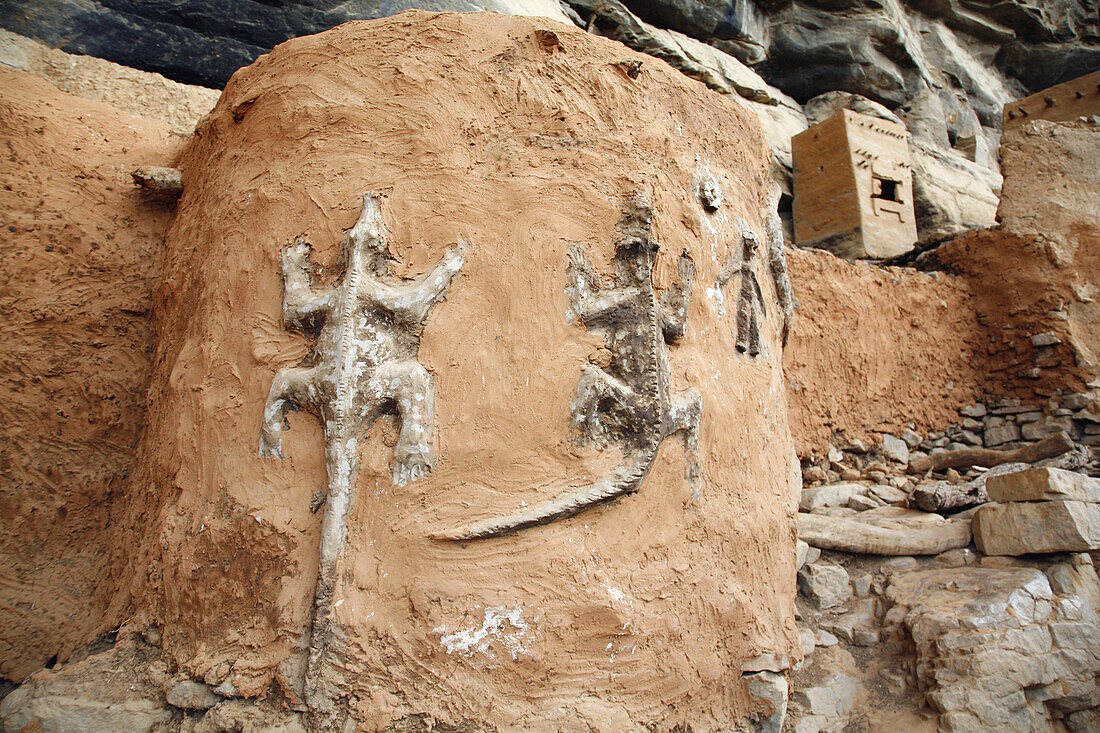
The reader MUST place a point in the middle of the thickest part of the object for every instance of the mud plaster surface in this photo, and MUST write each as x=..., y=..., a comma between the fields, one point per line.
x=521, y=136
x=1039, y=271
x=81, y=253
x=874, y=349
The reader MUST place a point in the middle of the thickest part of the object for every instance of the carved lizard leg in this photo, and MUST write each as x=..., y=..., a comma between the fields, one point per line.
x=295, y=387
x=303, y=305
x=684, y=413
x=410, y=385
x=594, y=390
x=674, y=302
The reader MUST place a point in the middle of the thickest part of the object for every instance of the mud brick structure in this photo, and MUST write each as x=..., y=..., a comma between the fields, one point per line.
x=854, y=187
x=1064, y=102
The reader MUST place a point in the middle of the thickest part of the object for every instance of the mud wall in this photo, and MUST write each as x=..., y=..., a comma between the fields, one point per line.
x=81, y=256
x=876, y=349
x=521, y=136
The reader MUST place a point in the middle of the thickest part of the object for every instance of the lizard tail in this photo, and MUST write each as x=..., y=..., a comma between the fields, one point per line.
x=625, y=480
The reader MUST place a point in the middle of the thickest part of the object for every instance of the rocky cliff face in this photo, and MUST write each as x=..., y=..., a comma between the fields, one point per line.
x=943, y=67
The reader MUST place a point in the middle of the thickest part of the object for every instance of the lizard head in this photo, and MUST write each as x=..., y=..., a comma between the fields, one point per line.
x=636, y=248
x=369, y=232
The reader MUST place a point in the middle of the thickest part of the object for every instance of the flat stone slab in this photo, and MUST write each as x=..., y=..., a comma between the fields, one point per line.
x=1023, y=528
x=1043, y=484
x=830, y=495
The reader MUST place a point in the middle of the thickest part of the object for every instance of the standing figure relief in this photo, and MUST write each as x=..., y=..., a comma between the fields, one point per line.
x=751, y=309
x=628, y=402
x=363, y=365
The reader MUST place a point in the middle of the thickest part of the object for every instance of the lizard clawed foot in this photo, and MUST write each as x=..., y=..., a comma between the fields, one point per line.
x=409, y=469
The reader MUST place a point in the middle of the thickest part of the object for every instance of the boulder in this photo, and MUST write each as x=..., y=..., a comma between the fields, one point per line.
x=825, y=585
x=779, y=114
x=138, y=93
x=1043, y=484
x=830, y=495
x=988, y=640
x=1024, y=528
x=736, y=26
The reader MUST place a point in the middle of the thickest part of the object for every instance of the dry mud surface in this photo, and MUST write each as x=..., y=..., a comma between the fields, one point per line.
x=875, y=349
x=521, y=136
x=81, y=256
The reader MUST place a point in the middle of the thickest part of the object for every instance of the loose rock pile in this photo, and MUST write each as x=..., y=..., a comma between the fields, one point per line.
x=904, y=618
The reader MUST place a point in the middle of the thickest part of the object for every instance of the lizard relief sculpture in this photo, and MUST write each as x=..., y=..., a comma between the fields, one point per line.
x=628, y=402
x=364, y=364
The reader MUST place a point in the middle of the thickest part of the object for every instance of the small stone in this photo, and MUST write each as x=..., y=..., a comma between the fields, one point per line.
x=829, y=495
x=1088, y=415
x=800, y=551
x=911, y=438
x=856, y=446
x=970, y=438
x=957, y=558
x=865, y=637
x=1028, y=417
x=897, y=564
x=861, y=585
x=970, y=423
x=826, y=586
x=226, y=689
x=1001, y=434
x=850, y=474
x=1047, y=338
x=863, y=503
x=772, y=688
x=832, y=700
x=973, y=411
x=813, y=554
x=190, y=695
x=895, y=449
x=825, y=638
x=835, y=454
x=807, y=641
x=1077, y=401
x=1046, y=427
x=890, y=495
x=814, y=474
